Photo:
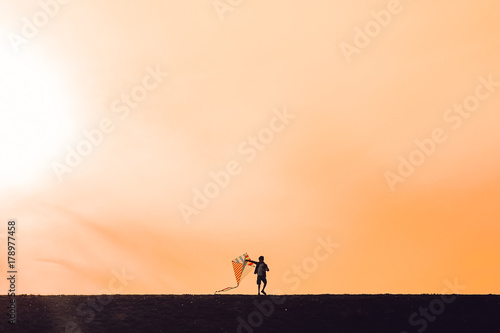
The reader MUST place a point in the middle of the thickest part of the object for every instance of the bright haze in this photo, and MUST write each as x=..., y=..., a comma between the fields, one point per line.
x=354, y=144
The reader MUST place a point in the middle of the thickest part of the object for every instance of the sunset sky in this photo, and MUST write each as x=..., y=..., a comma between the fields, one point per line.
x=354, y=144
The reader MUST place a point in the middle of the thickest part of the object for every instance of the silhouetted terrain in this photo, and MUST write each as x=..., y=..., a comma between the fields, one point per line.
x=245, y=313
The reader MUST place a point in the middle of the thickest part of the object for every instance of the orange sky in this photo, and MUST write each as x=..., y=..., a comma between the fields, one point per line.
x=311, y=117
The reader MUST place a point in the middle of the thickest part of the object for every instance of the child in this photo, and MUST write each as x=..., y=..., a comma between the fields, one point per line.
x=260, y=270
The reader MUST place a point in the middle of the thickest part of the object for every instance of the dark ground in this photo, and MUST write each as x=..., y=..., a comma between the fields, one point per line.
x=220, y=313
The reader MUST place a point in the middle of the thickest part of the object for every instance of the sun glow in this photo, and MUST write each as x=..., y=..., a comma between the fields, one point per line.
x=34, y=121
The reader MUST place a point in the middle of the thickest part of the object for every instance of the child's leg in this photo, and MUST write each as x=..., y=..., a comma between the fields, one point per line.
x=265, y=283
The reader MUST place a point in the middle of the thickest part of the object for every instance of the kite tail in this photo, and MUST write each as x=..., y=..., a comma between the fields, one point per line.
x=226, y=289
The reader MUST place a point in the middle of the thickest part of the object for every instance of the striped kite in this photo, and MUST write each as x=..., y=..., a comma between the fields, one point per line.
x=241, y=269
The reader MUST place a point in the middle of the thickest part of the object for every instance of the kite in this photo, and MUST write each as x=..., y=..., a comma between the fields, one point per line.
x=241, y=269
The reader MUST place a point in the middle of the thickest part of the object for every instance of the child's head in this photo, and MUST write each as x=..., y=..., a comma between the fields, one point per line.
x=261, y=258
